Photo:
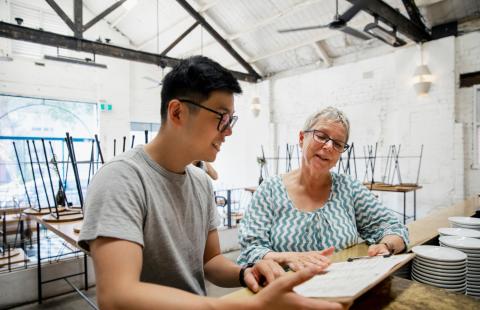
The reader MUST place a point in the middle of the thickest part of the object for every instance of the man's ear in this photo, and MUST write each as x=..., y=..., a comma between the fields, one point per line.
x=175, y=112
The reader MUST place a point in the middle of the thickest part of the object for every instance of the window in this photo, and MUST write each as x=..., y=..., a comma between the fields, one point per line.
x=27, y=118
x=138, y=130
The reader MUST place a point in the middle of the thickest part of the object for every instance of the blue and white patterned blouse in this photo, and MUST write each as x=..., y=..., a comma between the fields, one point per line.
x=272, y=223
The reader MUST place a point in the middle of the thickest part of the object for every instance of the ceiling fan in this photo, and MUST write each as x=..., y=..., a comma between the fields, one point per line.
x=339, y=22
x=156, y=82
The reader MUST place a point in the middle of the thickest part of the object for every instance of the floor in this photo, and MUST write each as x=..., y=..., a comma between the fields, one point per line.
x=74, y=302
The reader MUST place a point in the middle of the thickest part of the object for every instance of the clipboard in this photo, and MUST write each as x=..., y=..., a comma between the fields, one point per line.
x=343, y=288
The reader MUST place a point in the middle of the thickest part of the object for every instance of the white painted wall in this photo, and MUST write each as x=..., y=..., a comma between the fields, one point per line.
x=378, y=97
x=467, y=59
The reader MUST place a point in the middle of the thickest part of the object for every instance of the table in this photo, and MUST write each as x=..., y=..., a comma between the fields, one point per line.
x=9, y=216
x=398, y=293
x=380, y=187
x=66, y=231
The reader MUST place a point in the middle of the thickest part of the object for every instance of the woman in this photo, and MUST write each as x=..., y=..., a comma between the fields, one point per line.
x=292, y=217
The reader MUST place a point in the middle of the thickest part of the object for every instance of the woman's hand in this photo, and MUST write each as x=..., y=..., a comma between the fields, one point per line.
x=299, y=260
x=390, y=244
x=378, y=249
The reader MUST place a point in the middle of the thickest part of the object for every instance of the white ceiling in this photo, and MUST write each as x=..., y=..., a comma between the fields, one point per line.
x=250, y=26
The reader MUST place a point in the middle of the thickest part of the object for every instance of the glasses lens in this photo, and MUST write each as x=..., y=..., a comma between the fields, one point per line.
x=321, y=137
x=233, y=121
x=224, y=122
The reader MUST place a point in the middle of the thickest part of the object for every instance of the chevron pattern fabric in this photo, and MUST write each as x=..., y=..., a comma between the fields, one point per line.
x=272, y=223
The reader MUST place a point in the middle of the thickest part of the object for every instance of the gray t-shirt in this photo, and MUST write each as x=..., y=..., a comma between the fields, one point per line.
x=133, y=198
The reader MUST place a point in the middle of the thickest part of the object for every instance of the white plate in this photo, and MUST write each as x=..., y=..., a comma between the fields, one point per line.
x=439, y=273
x=443, y=271
x=472, y=254
x=463, y=232
x=456, y=290
x=473, y=270
x=461, y=242
x=453, y=225
x=442, y=283
x=473, y=283
x=453, y=287
x=447, y=278
x=444, y=263
x=465, y=220
x=442, y=254
x=440, y=265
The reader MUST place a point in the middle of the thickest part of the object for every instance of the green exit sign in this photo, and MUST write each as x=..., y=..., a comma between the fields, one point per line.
x=105, y=107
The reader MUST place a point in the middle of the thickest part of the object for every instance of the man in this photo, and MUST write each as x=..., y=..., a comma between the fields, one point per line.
x=150, y=220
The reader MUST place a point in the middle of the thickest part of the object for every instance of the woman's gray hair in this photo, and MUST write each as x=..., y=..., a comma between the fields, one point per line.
x=328, y=114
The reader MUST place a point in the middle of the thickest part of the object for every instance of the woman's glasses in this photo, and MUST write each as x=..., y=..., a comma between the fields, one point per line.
x=322, y=138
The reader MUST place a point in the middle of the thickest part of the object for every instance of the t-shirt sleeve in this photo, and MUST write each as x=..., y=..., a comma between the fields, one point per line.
x=115, y=205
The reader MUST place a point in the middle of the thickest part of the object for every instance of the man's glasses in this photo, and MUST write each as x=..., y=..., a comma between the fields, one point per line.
x=323, y=139
x=225, y=120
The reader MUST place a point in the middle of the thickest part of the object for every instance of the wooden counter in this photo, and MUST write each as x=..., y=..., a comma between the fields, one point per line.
x=65, y=230
x=398, y=293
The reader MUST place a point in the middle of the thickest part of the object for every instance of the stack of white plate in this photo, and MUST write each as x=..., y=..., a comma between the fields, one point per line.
x=464, y=222
x=471, y=247
x=441, y=267
x=462, y=232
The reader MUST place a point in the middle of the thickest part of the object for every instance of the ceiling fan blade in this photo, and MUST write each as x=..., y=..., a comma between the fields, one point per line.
x=157, y=86
x=352, y=11
x=355, y=33
x=151, y=80
x=302, y=28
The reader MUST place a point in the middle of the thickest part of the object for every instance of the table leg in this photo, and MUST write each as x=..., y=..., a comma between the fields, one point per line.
x=85, y=266
x=229, y=208
x=414, y=205
x=4, y=230
x=404, y=208
x=22, y=234
x=39, y=266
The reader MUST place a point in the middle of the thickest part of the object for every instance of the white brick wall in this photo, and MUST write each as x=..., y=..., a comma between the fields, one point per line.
x=467, y=59
x=383, y=107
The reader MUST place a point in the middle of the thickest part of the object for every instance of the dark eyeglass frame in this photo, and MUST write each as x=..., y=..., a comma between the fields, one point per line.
x=232, y=119
x=338, y=146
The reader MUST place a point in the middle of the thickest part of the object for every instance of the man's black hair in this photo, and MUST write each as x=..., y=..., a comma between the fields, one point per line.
x=195, y=78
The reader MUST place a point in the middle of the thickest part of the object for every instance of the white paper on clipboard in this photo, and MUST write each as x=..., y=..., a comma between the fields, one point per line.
x=349, y=279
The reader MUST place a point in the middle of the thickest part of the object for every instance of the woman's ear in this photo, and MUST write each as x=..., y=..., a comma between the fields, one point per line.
x=301, y=136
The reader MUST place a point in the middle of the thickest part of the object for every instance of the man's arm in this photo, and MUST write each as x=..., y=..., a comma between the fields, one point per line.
x=118, y=264
x=223, y=272
x=211, y=171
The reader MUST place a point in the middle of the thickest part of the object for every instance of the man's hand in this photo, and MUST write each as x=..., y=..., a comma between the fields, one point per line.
x=279, y=294
x=263, y=272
